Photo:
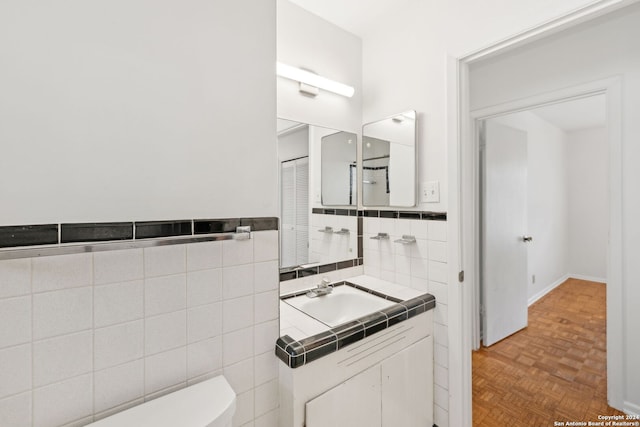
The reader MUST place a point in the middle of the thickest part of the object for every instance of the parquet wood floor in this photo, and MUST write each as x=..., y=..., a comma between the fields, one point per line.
x=553, y=370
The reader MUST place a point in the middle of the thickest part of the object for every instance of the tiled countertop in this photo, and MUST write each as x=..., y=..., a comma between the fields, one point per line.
x=303, y=338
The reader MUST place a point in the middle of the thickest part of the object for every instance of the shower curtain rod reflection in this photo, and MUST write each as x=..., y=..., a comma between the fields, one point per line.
x=377, y=158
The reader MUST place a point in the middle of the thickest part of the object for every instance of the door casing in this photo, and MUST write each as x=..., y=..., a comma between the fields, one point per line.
x=462, y=228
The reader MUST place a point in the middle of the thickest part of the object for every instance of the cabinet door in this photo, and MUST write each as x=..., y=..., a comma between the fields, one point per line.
x=407, y=386
x=354, y=403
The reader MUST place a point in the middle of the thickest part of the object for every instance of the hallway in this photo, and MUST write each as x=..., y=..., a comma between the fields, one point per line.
x=553, y=370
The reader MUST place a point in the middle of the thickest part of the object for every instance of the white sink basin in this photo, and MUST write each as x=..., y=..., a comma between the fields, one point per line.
x=342, y=305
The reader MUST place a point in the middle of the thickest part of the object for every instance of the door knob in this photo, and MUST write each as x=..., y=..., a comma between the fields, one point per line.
x=527, y=238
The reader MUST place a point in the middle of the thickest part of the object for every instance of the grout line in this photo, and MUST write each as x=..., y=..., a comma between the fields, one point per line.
x=93, y=339
x=144, y=323
x=186, y=309
x=33, y=412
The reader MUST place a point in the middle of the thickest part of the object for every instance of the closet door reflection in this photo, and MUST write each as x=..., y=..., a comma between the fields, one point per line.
x=294, y=245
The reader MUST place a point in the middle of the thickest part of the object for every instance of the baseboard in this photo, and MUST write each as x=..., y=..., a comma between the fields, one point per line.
x=588, y=278
x=631, y=408
x=548, y=289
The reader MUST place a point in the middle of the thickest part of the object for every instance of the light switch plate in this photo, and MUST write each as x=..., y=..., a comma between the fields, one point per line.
x=430, y=192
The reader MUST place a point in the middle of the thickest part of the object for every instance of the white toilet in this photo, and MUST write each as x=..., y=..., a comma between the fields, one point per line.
x=210, y=403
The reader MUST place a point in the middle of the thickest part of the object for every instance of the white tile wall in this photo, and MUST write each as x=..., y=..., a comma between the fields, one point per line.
x=165, y=294
x=15, y=278
x=165, y=260
x=118, y=385
x=129, y=262
x=165, y=332
x=204, y=256
x=55, y=359
x=204, y=357
x=15, y=370
x=327, y=247
x=164, y=370
x=118, y=344
x=15, y=321
x=62, y=312
x=204, y=322
x=118, y=302
x=16, y=410
x=84, y=336
x=60, y=403
x=422, y=266
x=60, y=272
x=237, y=281
x=204, y=286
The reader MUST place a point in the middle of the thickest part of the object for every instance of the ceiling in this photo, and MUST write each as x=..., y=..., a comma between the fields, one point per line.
x=355, y=16
x=359, y=16
x=575, y=115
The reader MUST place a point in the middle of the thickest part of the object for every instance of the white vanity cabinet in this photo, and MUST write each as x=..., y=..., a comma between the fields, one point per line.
x=398, y=391
x=387, y=376
x=354, y=403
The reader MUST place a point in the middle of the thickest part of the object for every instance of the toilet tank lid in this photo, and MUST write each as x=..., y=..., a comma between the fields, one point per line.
x=210, y=403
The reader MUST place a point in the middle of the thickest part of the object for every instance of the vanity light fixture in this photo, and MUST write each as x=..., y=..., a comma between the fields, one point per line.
x=310, y=81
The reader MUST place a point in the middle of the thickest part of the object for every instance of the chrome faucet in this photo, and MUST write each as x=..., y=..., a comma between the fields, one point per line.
x=325, y=287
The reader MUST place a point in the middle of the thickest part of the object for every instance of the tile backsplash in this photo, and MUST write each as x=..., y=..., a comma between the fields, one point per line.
x=86, y=335
x=421, y=265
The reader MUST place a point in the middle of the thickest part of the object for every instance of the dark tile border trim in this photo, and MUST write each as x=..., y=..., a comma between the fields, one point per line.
x=342, y=212
x=300, y=272
x=298, y=353
x=155, y=229
x=426, y=215
x=28, y=235
x=95, y=232
x=19, y=239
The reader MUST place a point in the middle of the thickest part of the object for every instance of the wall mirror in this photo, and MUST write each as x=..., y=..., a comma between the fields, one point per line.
x=389, y=161
x=317, y=167
x=338, y=174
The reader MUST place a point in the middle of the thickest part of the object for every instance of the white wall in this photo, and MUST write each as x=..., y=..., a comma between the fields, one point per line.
x=294, y=145
x=405, y=64
x=307, y=41
x=547, y=200
x=129, y=110
x=588, y=190
x=605, y=48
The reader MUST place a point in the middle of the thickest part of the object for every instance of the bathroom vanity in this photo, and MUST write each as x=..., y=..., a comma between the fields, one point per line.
x=373, y=367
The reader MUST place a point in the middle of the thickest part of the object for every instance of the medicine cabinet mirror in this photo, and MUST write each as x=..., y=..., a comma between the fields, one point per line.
x=338, y=175
x=389, y=161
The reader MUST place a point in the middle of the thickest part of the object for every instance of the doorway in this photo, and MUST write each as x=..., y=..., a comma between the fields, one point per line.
x=544, y=235
x=543, y=207
x=512, y=76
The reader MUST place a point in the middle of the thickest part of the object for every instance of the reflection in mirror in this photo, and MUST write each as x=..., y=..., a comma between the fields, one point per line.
x=388, y=161
x=300, y=149
x=339, y=169
x=293, y=151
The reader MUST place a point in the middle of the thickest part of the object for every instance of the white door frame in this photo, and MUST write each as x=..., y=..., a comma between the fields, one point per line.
x=463, y=218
